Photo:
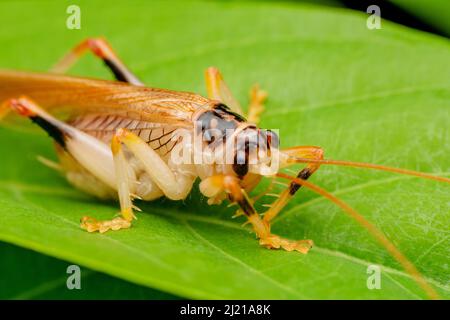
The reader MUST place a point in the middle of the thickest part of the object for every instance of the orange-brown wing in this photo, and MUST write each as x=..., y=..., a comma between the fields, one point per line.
x=83, y=96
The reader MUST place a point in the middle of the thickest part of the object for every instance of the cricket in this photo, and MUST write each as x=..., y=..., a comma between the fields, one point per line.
x=121, y=140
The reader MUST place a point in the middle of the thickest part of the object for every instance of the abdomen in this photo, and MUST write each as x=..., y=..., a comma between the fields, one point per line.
x=157, y=135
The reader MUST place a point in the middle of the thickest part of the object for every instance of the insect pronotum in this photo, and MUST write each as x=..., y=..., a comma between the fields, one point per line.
x=124, y=140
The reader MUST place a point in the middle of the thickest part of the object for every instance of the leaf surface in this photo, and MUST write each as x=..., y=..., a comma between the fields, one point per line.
x=31, y=275
x=379, y=96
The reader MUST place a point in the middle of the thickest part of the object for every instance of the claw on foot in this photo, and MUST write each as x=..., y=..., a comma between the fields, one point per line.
x=93, y=225
x=276, y=242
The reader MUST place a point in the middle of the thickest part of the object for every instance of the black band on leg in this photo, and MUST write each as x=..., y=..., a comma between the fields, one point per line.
x=244, y=204
x=118, y=73
x=52, y=130
x=304, y=175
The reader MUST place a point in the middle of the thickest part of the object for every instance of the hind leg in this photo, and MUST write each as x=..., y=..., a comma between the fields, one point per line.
x=173, y=184
x=90, y=152
x=93, y=156
x=79, y=177
x=101, y=48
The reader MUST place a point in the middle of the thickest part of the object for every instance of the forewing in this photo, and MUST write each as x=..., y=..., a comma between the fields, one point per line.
x=75, y=96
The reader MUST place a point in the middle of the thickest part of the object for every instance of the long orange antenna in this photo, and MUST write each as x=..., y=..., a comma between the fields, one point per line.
x=369, y=166
x=390, y=247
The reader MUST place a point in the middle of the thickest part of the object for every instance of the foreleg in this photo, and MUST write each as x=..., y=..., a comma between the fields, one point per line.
x=305, y=173
x=214, y=185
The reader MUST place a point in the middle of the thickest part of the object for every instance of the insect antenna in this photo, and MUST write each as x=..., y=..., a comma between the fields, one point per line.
x=376, y=233
x=369, y=166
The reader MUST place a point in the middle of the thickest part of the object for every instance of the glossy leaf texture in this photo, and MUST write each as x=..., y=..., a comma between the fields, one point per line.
x=379, y=96
x=31, y=275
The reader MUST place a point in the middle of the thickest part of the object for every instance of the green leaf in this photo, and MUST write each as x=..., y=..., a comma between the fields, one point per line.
x=30, y=275
x=379, y=96
x=433, y=12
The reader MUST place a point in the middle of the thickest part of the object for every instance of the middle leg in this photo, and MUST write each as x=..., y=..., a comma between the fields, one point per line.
x=125, y=180
x=173, y=184
x=92, y=157
x=101, y=48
